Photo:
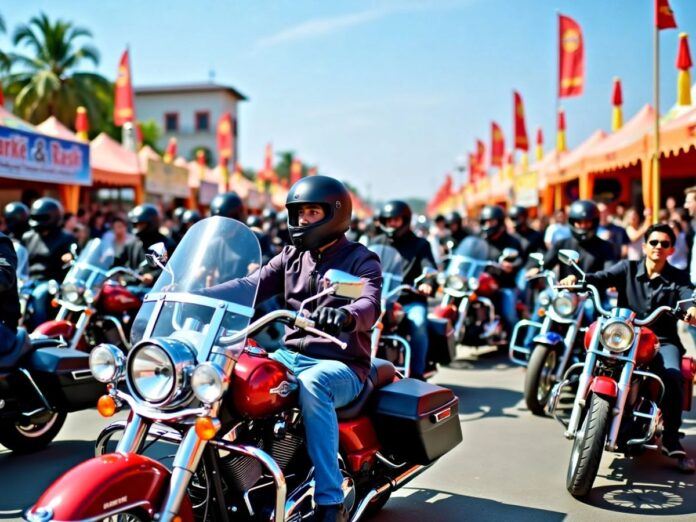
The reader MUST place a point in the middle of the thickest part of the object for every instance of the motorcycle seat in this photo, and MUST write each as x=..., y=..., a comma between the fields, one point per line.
x=20, y=348
x=381, y=373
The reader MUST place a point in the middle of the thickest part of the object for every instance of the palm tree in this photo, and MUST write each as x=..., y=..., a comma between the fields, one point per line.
x=48, y=82
x=4, y=59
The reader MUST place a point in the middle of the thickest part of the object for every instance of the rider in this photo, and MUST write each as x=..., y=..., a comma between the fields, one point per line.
x=46, y=243
x=643, y=286
x=145, y=219
x=492, y=222
x=16, y=215
x=9, y=300
x=319, y=209
x=457, y=230
x=395, y=221
x=531, y=240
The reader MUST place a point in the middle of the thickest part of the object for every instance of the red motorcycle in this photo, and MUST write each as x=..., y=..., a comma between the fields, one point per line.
x=194, y=380
x=94, y=307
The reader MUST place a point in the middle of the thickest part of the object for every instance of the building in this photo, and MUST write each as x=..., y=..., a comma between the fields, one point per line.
x=189, y=112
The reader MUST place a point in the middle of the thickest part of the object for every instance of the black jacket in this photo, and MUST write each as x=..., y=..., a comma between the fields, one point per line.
x=9, y=299
x=532, y=241
x=133, y=255
x=595, y=254
x=495, y=249
x=45, y=254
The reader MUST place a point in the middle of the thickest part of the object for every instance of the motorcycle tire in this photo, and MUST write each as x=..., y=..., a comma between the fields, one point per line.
x=30, y=438
x=588, y=447
x=377, y=504
x=128, y=516
x=538, y=381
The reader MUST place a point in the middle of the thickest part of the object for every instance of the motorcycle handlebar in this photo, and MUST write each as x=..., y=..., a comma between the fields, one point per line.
x=122, y=270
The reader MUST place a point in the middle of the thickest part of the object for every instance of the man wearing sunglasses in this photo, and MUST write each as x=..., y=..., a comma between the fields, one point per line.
x=642, y=286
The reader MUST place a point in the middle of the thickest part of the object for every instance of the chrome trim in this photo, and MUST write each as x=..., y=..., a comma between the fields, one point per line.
x=105, y=435
x=624, y=388
x=210, y=302
x=406, y=368
x=523, y=349
x=29, y=516
x=384, y=460
x=651, y=375
x=213, y=329
x=583, y=385
x=655, y=417
x=463, y=310
x=156, y=415
x=119, y=329
x=80, y=327
x=81, y=375
x=133, y=436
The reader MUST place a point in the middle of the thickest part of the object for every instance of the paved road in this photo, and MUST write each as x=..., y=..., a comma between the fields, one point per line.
x=511, y=466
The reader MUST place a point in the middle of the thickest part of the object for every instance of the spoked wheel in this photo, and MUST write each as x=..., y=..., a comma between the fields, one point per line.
x=28, y=437
x=588, y=447
x=128, y=516
x=539, y=379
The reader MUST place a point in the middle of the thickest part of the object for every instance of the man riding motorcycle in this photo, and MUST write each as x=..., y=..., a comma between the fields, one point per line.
x=46, y=244
x=457, y=229
x=643, y=286
x=532, y=241
x=9, y=299
x=145, y=219
x=16, y=216
x=395, y=221
x=319, y=210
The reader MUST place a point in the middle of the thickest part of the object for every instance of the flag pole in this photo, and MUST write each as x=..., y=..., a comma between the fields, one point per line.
x=656, y=157
x=557, y=191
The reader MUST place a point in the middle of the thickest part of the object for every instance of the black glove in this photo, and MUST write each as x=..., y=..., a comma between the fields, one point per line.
x=332, y=320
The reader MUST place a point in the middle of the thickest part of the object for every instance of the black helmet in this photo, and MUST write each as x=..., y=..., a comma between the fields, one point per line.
x=146, y=213
x=254, y=221
x=269, y=216
x=490, y=213
x=178, y=214
x=454, y=218
x=46, y=214
x=518, y=215
x=583, y=210
x=282, y=219
x=16, y=216
x=190, y=217
x=395, y=209
x=334, y=199
x=228, y=205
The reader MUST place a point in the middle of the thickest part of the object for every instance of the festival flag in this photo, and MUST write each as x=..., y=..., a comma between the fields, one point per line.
x=81, y=123
x=664, y=16
x=124, y=106
x=295, y=171
x=561, y=145
x=684, y=63
x=224, y=170
x=616, y=102
x=571, y=55
x=473, y=169
x=481, y=166
x=521, y=141
x=171, y=151
x=2, y=97
x=497, y=145
x=225, y=137
x=539, y=153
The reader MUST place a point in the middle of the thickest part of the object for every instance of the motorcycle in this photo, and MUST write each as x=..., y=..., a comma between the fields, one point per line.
x=193, y=380
x=468, y=291
x=389, y=339
x=94, y=307
x=556, y=345
x=616, y=406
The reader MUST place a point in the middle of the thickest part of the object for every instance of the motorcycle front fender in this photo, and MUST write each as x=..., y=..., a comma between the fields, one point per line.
x=549, y=339
x=106, y=485
x=56, y=328
x=604, y=387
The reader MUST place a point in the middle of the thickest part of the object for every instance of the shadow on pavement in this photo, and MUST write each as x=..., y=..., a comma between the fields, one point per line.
x=419, y=505
x=476, y=403
x=484, y=358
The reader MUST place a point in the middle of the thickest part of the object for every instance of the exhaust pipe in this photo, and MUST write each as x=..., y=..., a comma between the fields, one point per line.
x=391, y=485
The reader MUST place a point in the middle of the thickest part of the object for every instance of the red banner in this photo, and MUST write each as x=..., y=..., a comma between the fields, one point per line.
x=497, y=145
x=481, y=166
x=295, y=171
x=684, y=62
x=124, y=106
x=225, y=136
x=571, y=56
x=521, y=141
x=664, y=16
x=617, y=94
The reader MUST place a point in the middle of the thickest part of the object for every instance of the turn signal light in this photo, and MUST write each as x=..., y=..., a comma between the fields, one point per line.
x=542, y=312
x=89, y=311
x=106, y=406
x=55, y=303
x=207, y=427
x=473, y=296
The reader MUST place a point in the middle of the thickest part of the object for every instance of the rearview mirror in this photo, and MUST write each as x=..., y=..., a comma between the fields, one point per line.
x=157, y=255
x=508, y=254
x=344, y=284
x=568, y=257
x=538, y=257
x=73, y=250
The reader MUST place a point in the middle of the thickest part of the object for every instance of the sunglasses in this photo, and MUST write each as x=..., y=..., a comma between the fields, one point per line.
x=664, y=244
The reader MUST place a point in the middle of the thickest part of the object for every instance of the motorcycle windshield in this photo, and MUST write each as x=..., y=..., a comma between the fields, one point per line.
x=392, y=268
x=213, y=251
x=90, y=268
x=470, y=258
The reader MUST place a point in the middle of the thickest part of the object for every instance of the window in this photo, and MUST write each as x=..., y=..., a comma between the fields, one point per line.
x=171, y=122
x=202, y=121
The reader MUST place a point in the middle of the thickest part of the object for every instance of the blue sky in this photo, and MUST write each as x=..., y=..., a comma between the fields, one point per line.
x=383, y=94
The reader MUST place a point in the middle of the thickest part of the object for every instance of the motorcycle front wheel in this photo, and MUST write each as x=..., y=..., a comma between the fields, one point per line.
x=128, y=516
x=539, y=379
x=28, y=437
x=588, y=447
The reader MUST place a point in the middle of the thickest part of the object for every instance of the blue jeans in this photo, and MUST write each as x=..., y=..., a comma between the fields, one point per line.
x=41, y=302
x=507, y=299
x=324, y=386
x=416, y=322
x=667, y=365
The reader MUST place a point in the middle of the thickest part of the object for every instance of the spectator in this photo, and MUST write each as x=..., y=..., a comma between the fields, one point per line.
x=635, y=230
x=612, y=232
x=679, y=259
x=558, y=230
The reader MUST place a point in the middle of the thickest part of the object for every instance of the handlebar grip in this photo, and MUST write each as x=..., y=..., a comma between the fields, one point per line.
x=319, y=333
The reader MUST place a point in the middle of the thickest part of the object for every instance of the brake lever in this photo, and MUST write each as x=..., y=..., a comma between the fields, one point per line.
x=307, y=325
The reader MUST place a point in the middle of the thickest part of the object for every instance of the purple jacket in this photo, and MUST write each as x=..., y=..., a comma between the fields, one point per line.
x=298, y=274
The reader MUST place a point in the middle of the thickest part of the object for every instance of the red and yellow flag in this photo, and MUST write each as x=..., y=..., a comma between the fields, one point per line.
x=497, y=145
x=225, y=136
x=571, y=56
x=295, y=171
x=480, y=160
x=561, y=145
x=539, y=152
x=81, y=123
x=521, y=141
x=171, y=150
x=124, y=106
x=684, y=63
x=664, y=16
x=616, y=102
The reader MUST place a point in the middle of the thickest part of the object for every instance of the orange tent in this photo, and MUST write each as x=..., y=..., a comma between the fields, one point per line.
x=52, y=127
x=115, y=166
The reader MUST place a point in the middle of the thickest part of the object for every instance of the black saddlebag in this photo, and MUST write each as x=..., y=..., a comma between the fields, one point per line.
x=441, y=346
x=63, y=376
x=417, y=421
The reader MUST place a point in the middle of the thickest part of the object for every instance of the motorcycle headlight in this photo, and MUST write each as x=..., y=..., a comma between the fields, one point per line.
x=473, y=283
x=544, y=299
x=89, y=296
x=564, y=304
x=208, y=383
x=617, y=336
x=53, y=287
x=158, y=371
x=455, y=282
x=72, y=292
x=106, y=362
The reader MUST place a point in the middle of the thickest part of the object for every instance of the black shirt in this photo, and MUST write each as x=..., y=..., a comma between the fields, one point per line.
x=643, y=295
x=495, y=250
x=9, y=300
x=595, y=254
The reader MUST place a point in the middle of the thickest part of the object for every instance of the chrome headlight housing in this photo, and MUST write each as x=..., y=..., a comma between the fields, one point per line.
x=473, y=283
x=617, y=336
x=158, y=372
x=72, y=291
x=208, y=382
x=455, y=282
x=565, y=303
x=107, y=362
x=544, y=299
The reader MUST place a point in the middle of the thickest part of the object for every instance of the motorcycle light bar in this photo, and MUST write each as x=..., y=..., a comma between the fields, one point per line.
x=617, y=336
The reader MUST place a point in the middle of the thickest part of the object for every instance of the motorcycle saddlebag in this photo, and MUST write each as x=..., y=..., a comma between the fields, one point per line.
x=416, y=421
x=441, y=346
x=688, y=367
x=64, y=377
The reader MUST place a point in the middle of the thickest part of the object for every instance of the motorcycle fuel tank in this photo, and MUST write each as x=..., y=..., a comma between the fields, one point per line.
x=262, y=386
x=118, y=299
